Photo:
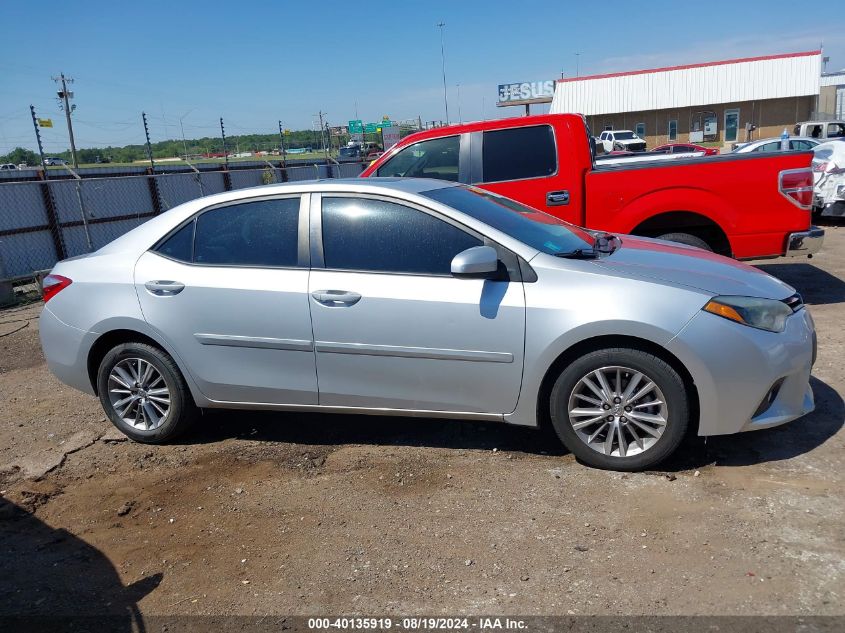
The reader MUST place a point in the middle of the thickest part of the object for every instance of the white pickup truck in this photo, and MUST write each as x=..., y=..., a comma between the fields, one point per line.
x=624, y=140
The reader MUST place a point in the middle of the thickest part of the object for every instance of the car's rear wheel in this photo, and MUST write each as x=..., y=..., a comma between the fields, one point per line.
x=686, y=238
x=144, y=394
x=620, y=409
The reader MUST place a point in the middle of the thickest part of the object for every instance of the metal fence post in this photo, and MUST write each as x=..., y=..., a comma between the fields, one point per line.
x=155, y=194
x=52, y=216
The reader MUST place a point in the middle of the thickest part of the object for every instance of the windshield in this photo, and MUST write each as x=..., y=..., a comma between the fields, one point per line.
x=624, y=136
x=539, y=230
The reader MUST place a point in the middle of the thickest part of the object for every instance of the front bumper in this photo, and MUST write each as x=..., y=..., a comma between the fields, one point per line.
x=735, y=367
x=804, y=242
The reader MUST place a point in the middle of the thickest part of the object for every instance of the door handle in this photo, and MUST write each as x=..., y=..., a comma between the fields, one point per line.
x=336, y=298
x=164, y=288
x=557, y=198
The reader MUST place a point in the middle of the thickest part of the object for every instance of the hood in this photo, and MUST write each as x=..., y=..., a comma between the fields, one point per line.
x=688, y=266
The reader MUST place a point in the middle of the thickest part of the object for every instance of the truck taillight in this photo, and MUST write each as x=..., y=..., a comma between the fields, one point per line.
x=797, y=186
x=53, y=285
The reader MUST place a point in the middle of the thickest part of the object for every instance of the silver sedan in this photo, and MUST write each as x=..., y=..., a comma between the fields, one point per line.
x=424, y=298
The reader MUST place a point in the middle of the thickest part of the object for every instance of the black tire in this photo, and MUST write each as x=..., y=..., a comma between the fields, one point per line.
x=182, y=410
x=686, y=238
x=661, y=373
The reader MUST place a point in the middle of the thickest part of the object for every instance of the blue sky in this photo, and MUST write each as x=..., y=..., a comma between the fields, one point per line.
x=255, y=62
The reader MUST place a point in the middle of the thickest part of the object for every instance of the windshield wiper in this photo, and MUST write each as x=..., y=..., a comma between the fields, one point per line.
x=579, y=253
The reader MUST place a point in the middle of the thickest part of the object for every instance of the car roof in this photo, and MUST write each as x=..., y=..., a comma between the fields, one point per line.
x=777, y=138
x=323, y=185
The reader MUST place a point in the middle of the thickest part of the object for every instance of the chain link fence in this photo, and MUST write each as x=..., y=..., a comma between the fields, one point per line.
x=45, y=221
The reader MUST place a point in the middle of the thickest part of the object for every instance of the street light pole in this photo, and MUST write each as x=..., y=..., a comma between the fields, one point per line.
x=460, y=116
x=443, y=62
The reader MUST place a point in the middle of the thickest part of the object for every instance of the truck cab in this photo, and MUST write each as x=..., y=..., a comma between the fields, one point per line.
x=741, y=205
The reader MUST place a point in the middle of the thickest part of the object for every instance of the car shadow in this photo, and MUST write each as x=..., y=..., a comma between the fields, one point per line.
x=52, y=580
x=817, y=287
x=329, y=429
x=319, y=429
x=766, y=445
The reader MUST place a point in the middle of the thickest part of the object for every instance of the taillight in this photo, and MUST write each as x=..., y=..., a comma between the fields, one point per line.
x=53, y=285
x=797, y=186
x=819, y=166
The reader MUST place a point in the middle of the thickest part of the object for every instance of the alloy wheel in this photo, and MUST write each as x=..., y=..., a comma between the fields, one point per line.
x=618, y=411
x=139, y=393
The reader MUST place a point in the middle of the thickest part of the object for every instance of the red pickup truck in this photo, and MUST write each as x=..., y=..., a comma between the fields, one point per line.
x=742, y=205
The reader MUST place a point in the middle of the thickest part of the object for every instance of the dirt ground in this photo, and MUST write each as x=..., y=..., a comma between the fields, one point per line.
x=319, y=514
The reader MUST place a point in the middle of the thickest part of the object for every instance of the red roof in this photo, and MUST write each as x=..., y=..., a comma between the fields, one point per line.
x=687, y=66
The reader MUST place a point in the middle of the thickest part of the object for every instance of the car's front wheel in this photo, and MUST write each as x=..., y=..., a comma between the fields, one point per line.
x=144, y=394
x=620, y=409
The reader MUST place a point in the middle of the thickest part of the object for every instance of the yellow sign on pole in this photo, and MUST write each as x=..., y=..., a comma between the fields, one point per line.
x=287, y=132
x=45, y=122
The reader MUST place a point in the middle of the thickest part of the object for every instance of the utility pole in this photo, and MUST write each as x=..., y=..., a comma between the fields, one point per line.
x=577, y=64
x=282, y=141
x=443, y=61
x=182, y=127
x=223, y=134
x=65, y=96
x=149, y=147
x=322, y=132
x=38, y=138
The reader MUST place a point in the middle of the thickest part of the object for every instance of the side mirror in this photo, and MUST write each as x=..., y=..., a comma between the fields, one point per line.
x=478, y=262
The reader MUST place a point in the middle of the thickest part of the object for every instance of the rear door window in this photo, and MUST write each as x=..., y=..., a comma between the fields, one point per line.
x=435, y=158
x=835, y=130
x=519, y=153
x=800, y=145
x=260, y=233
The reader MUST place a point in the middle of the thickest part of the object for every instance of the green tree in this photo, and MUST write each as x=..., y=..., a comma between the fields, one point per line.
x=20, y=155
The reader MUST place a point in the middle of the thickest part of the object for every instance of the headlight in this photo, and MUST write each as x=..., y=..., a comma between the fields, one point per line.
x=764, y=314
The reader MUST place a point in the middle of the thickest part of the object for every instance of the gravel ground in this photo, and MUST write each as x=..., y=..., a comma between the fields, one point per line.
x=259, y=513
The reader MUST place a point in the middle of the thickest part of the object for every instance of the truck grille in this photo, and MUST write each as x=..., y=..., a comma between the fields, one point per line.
x=635, y=147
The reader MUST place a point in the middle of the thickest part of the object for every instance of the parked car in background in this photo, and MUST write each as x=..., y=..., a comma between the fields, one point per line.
x=8, y=166
x=349, y=151
x=52, y=161
x=685, y=148
x=820, y=130
x=773, y=145
x=624, y=140
x=298, y=297
x=829, y=175
x=747, y=206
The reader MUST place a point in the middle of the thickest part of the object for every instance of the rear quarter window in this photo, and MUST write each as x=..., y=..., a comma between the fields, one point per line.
x=519, y=153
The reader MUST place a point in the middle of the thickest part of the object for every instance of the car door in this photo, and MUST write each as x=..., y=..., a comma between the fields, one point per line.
x=228, y=291
x=392, y=328
x=522, y=163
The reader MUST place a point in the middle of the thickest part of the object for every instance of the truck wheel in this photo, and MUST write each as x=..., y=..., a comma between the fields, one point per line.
x=686, y=238
x=620, y=409
x=144, y=394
